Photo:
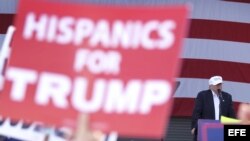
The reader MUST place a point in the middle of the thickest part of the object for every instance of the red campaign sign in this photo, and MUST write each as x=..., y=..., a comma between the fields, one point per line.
x=115, y=63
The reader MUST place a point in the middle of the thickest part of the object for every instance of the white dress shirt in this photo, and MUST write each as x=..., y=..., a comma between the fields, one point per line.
x=216, y=105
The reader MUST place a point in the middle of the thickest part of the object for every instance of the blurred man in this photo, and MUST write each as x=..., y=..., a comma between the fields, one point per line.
x=244, y=113
x=211, y=104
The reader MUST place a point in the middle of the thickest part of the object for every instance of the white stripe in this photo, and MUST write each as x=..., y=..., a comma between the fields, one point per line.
x=216, y=10
x=216, y=50
x=189, y=88
x=1, y=40
x=222, y=11
x=209, y=49
x=8, y=6
x=200, y=9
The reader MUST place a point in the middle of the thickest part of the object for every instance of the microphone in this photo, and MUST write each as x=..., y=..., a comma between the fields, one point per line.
x=220, y=95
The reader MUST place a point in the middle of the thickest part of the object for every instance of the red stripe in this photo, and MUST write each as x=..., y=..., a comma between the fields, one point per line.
x=231, y=71
x=243, y=1
x=6, y=21
x=205, y=29
x=184, y=107
x=219, y=30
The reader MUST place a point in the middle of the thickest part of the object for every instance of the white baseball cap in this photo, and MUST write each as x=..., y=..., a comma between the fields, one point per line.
x=215, y=80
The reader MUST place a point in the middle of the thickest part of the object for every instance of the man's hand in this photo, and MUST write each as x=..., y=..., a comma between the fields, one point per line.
x=83, y=133
x=192, y=131
x=244, y=113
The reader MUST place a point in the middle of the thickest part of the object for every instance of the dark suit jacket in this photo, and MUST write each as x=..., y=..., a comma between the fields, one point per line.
x=204, y=107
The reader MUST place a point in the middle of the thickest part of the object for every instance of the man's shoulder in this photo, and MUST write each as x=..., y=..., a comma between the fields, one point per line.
x=226, y=93
x=204, y=92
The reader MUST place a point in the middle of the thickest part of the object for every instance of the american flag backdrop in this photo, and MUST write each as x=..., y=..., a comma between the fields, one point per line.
x=217, y=43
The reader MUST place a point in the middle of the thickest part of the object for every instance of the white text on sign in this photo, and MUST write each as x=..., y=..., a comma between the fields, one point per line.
x=109, y=96
x=77, y=31
x=97, y=61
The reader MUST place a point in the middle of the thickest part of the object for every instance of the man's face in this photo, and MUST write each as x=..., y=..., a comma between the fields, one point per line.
x=216, y=87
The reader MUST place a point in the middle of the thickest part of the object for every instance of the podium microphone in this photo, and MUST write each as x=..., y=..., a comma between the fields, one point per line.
x=220, y=95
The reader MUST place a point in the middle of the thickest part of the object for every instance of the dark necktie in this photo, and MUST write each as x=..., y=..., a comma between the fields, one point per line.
x=220, y=105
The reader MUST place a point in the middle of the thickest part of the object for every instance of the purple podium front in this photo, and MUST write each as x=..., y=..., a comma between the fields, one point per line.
x=210, y=130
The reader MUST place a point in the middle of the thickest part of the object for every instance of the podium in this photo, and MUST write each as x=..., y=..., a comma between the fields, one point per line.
x=210, y=130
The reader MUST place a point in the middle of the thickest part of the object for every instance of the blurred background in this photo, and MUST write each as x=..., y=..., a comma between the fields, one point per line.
x=218, y=43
